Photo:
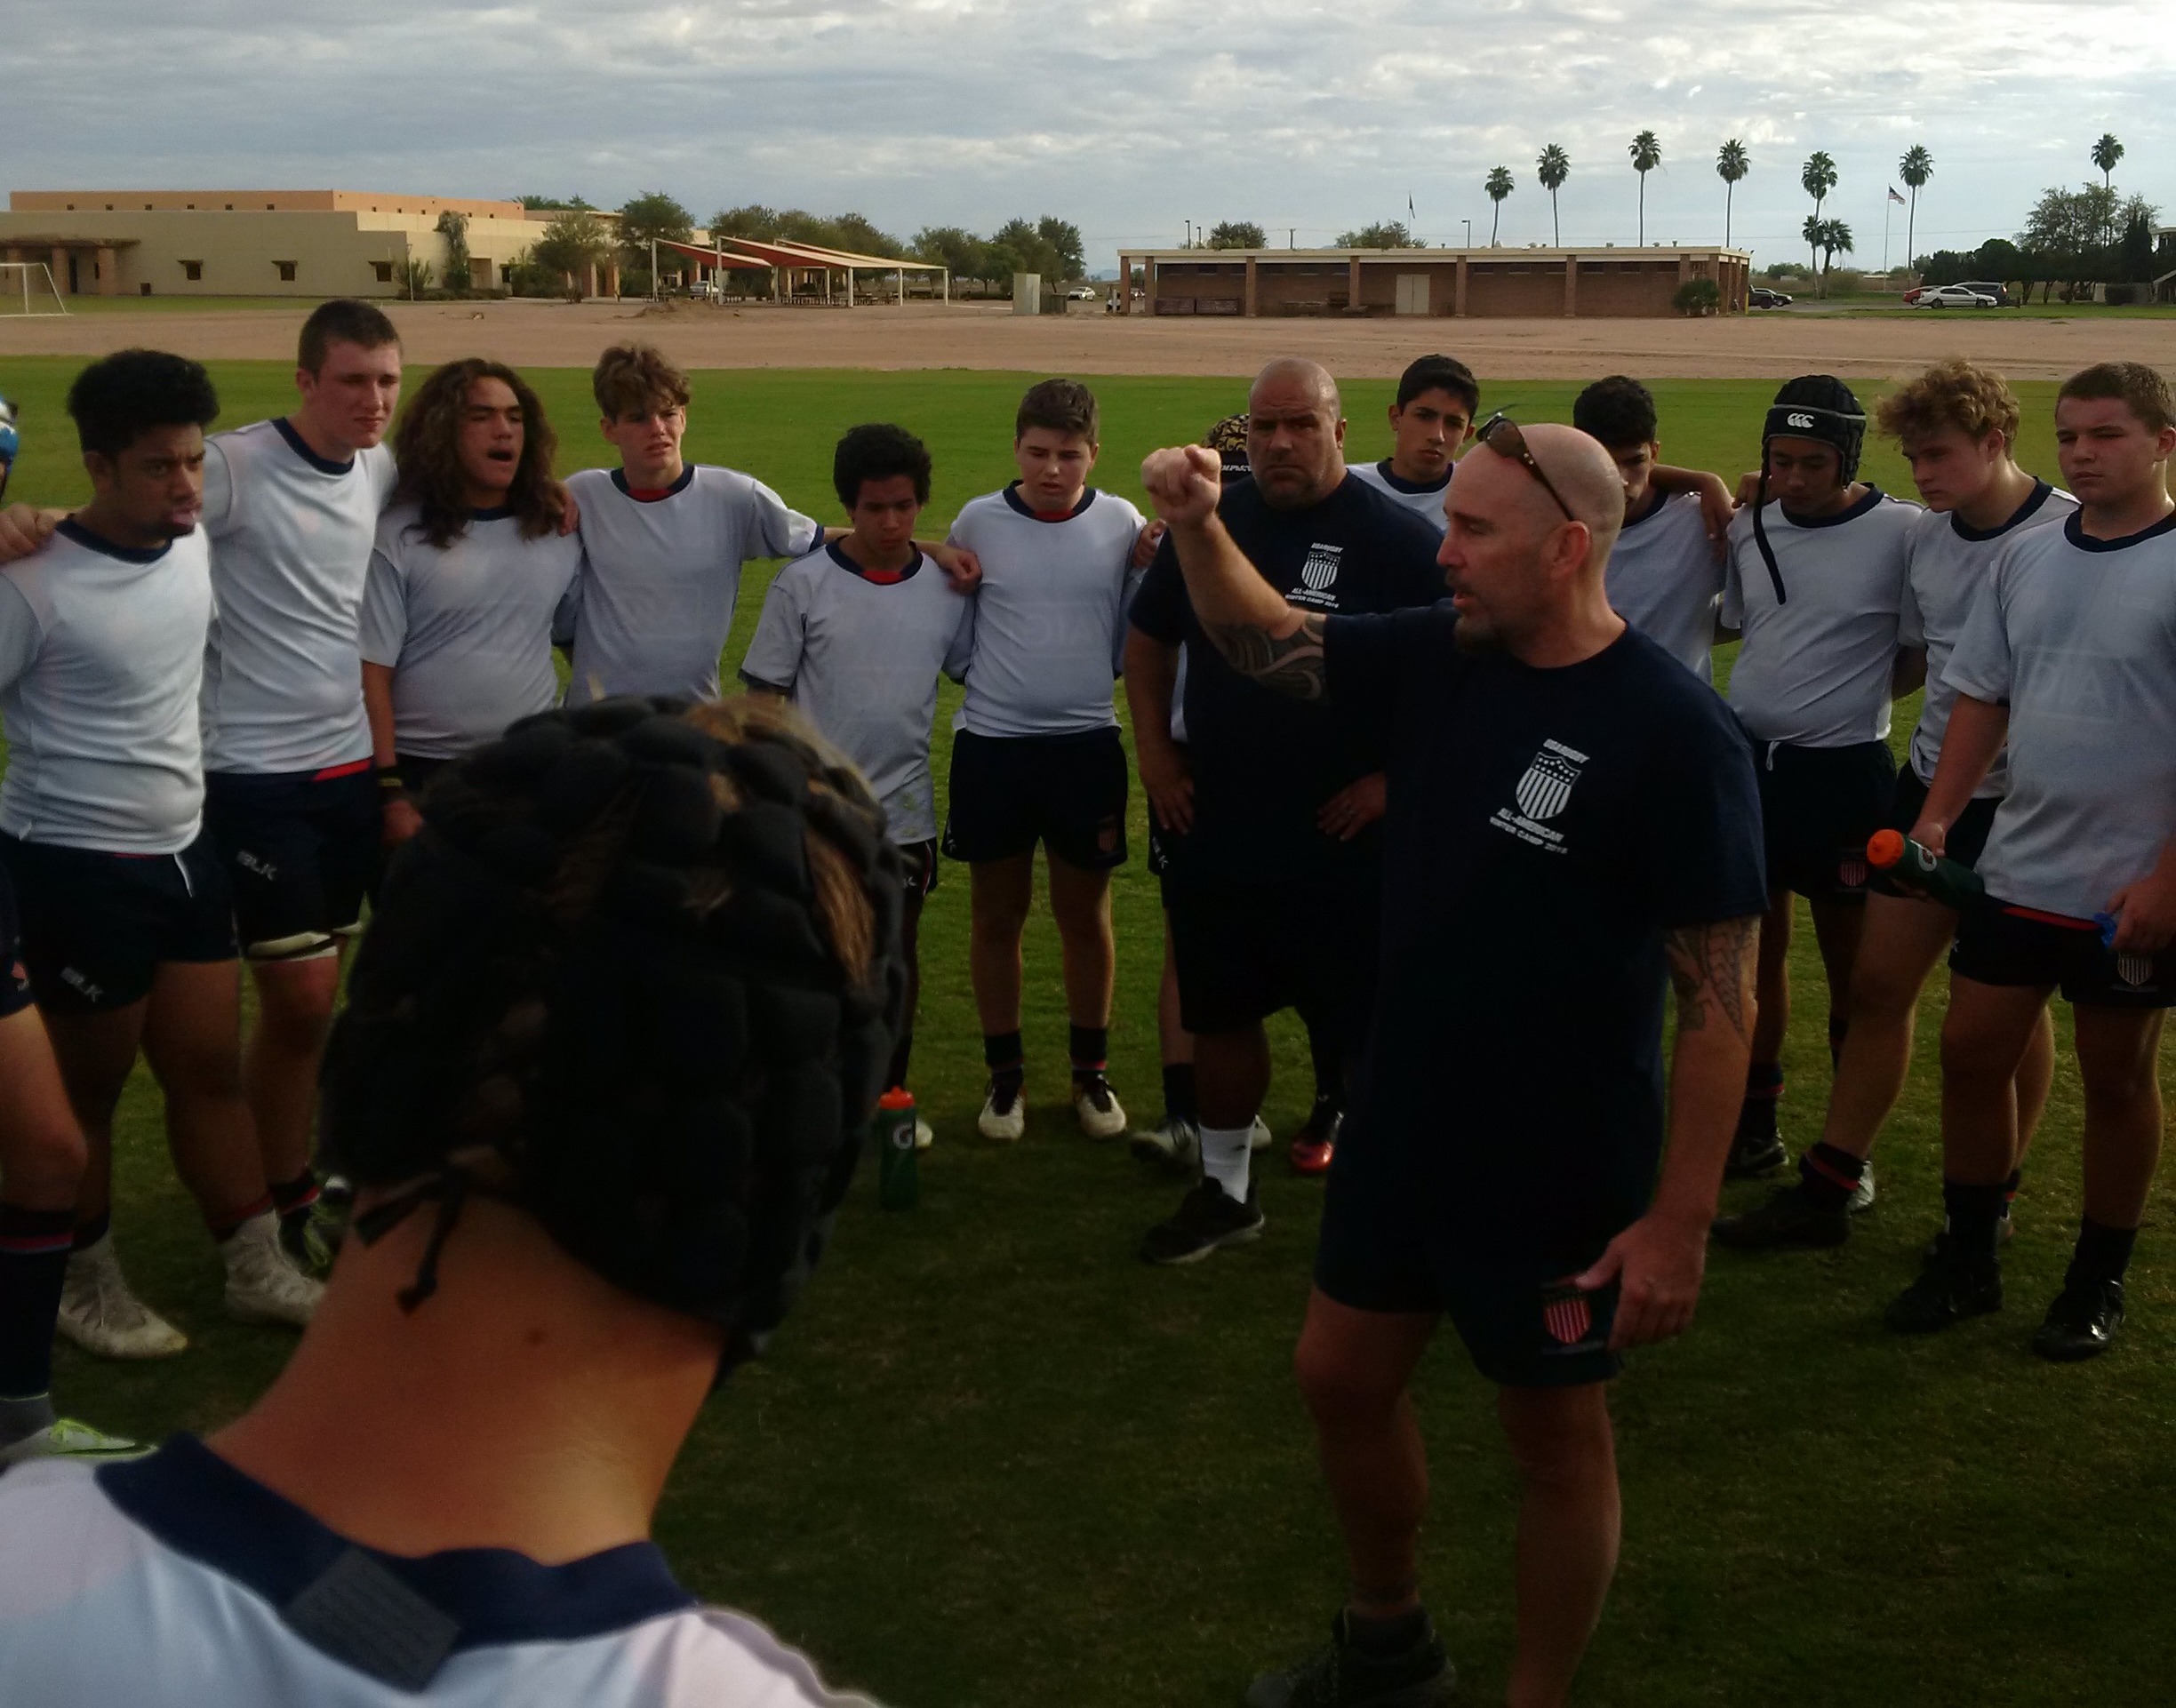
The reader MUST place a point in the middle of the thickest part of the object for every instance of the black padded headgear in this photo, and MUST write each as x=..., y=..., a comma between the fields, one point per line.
x=599, y=985
x=1813, y=406
x=1228, y=439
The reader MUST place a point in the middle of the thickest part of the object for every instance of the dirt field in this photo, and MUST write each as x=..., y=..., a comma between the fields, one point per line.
x=926, y=335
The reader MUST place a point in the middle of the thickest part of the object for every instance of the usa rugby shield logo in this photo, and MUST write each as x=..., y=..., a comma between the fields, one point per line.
x=2134, y=969
x=1547, y=786
x=1852, y=868
x=1321, y=568
x=1569, y=1320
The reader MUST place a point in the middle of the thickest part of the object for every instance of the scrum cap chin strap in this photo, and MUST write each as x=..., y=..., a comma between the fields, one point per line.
x=1839, y=427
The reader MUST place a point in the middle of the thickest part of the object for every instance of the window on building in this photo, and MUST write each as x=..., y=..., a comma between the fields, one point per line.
x=384, y=270
x=193, y=271
x=286, y=271
x=109, y=207
x=144, y=288
x=230, y=207
x=269, y=207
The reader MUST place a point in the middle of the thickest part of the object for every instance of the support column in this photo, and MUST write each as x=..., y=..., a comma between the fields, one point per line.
x=108, y=270
x=1457, y=294
x=903, y=287
x=59, y=271
x=1352, y=286
x=1249, y=309
x=1571, y=287
x=1148, y=286
x=1684, y=269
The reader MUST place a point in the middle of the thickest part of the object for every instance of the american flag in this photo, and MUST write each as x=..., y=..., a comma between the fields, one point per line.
x=1893, y=197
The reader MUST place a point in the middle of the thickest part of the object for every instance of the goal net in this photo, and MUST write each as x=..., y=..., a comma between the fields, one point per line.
x=27, y=287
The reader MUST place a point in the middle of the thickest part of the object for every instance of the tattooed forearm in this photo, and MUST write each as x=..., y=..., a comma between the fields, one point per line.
x=1712, y=967
x=1292, y=664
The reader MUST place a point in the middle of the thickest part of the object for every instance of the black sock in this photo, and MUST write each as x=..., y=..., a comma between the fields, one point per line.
x=1756, y=1115
x=1179, y=1103
x=2103, y=1252
x=33, y=1254
x=1973, y=1212
x=226, y=1227
x=1089, y=1048
x=1329, y=1059
x=89, y=1234
x=297, y=1196
x=1382, y=1638
x=1005, y=1057
x=2010, y=1189
x=1838, y=1025
x=901, y=1052
x=1830, y=1177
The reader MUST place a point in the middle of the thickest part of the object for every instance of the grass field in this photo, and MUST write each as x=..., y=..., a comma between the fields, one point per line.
x=996, y=1461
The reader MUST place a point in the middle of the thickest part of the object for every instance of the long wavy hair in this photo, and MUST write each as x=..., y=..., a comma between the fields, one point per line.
x=427, y=449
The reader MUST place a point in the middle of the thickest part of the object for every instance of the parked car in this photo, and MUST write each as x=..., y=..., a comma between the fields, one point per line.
x=1081, y=293
x=1764, y=298
x=1990, y=288
x=1912, y=296
x=1953, y=296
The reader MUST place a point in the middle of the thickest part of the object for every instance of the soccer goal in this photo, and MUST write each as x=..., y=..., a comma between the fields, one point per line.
x=27, y=287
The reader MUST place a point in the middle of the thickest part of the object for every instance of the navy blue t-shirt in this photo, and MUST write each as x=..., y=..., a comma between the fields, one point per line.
x=1264, y=763
x=1546, y=828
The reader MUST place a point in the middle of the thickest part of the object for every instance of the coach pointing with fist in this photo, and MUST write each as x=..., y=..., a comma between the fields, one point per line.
x=1571, y=817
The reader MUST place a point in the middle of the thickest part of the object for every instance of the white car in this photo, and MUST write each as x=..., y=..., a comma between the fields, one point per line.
x=1952, y=296
x=1080, y=293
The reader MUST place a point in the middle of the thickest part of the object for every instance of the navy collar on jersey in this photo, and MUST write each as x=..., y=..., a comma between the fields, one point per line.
x=2074, y=530
x=1849, y=513
x=71, y=528
x=296, y=443
x=1013, y=498
x=492, y=512
x=199, y=1505
x=836, y=551
x=1657, y=501
x=1399, y=483
x=2040, y=494
x=687, y=474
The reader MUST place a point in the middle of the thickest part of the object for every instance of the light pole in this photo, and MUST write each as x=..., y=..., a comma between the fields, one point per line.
x=1469, y=225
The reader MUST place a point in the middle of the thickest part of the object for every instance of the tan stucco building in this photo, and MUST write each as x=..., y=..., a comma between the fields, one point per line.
x=313, y=244
x=1429, y=281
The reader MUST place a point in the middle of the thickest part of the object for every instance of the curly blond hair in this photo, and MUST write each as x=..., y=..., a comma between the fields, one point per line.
x=1955, y=393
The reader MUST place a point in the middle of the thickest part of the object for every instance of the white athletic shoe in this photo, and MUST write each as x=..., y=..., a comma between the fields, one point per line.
x=1004, y=1122
x=263, y=1284
x=925, y=1135
x=1101, y=1114
x=100, y=1314
x=1863, y=1198
x=1258, y=1135
x=66, y=1438
x=1176, y=1143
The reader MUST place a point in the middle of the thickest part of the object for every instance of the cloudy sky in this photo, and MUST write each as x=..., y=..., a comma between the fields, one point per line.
x=1128, y=116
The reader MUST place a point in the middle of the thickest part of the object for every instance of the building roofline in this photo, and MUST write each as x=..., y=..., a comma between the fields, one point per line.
x=1581, y=251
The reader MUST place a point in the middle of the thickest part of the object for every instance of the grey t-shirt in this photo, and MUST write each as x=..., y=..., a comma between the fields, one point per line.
x=1814, y=669
x=101, y=655
x=1050, y=617
x=291, y=544
x=859, y=657
x=1949, y=567
x=663, y=574
x=467, y=630
x=1427, y=502
x=2077, y=636
x=1664, y=579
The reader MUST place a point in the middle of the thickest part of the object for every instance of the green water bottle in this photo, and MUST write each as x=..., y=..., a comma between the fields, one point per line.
x=899, y=1183
x=1935, y=876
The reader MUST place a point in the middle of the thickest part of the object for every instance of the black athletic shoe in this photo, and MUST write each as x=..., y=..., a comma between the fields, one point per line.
x=1758, y=1148
x=1342, y=1676
x=1948, y=1290
x=1789, y=1218
x=2081, y=1321
x=1208, y=1217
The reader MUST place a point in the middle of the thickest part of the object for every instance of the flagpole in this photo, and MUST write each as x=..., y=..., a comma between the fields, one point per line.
x=1887, y=199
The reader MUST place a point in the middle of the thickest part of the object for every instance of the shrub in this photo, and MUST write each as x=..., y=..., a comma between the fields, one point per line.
x=1697, y=296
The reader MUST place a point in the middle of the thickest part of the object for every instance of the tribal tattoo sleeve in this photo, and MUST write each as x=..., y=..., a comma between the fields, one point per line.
x=1712, y=970
x=1292, y=664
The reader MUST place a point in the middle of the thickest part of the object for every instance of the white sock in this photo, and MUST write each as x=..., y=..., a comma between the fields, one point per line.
x=1226, y=1152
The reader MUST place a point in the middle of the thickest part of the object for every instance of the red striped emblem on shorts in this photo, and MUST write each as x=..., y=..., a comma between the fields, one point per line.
x=1568, y=1321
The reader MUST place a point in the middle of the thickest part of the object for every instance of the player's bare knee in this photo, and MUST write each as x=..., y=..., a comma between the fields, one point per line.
x=1340, y=1389
x=1556, y=1436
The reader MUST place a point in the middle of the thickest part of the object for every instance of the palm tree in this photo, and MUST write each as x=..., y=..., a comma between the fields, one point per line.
x=1646, y=152
x=1835, y=239
x=1810, y=233
x=1915, y=168
x=1498, y=184
x=2106, y=153
x=1556, y=167
x=1731, y=163
x=1817, y=176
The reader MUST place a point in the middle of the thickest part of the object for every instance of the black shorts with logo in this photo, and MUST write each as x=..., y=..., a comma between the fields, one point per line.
x=1244, y=950
x=97, y=926
x=1818, y=805
x=1067, y=792
x=1390, y=1243
x=14, y=972
x=301, y=850
x=1967, y=838
x=1998, y=943
x=921, y=868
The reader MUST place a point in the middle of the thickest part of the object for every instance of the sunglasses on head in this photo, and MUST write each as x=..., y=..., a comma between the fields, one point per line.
x=1500, y=434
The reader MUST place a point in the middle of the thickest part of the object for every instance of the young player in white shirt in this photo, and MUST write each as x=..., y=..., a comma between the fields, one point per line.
x=1438, y=400
x=579, y=1002
x=128, y=931
x=1957, y=425
x=471, y=572
x=2069, y=658
x=855, y=635
x=1816, y=583
x=1037, y=755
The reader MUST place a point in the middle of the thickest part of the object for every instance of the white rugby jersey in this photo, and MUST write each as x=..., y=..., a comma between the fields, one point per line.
x=2077, y=636
x=1050, y=619
x=176, y=1581
x=1664, y=579
x=1949, y=567
x=1814, y=669
x=858, y=658
x=663, y=574
x=1425, y=501
x=467, y=630
x=102, y=657
x=291, y=544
